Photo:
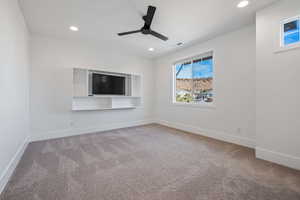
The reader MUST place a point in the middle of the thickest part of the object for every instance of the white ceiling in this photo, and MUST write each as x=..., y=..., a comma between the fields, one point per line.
x=187, y=21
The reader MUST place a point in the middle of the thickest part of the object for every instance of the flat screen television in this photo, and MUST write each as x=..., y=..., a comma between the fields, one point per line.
x=103, y=84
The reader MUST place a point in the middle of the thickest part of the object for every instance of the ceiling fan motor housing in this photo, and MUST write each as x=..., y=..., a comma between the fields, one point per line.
x=146, y=31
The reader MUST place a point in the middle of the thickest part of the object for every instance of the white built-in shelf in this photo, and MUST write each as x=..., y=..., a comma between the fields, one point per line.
x=90, y=108
x=81, y=100
x=108, y=96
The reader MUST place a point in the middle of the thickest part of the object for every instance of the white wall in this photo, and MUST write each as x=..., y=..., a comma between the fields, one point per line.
x=14, y=86
x=278, y=97
x=51, y=91
x=234, y=87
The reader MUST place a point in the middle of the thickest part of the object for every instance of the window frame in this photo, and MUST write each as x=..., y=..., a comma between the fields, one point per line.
x=284, y=46
x=191, y=58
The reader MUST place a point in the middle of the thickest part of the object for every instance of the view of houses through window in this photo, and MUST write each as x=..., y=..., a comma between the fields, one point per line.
x=194, y=80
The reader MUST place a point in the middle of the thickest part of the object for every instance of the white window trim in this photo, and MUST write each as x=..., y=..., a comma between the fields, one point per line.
x=173, y=93
x=282, y=46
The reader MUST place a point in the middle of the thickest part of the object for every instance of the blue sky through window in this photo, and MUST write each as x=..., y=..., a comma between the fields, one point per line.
x=291, y=32
x=201, y=69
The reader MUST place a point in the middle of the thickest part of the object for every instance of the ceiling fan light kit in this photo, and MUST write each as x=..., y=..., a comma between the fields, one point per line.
x=146, y=29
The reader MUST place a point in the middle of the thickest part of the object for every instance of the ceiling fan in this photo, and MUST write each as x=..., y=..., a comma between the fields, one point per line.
x=146, y=29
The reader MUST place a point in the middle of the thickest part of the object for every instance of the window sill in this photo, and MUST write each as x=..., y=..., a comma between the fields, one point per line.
x=287, y=48
x=196, y=105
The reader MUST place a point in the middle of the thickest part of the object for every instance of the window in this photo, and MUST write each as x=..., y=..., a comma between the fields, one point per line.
x=290, y=31
x=193, y=80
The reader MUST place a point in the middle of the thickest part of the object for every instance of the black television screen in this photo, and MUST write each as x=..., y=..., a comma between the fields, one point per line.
x=103, y=84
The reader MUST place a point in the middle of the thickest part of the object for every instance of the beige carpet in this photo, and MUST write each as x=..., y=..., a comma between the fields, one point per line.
x=147, y=163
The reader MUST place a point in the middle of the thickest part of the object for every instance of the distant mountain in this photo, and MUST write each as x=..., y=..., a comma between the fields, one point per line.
x=199, y=84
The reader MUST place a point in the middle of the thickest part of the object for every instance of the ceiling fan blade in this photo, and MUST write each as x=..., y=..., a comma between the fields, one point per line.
x=158, y=35
x=129, y=32
x=149, y=17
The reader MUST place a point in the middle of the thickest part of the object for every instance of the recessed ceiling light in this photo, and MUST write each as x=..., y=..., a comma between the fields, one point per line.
x=74, y=28
x=151, y=49
x=243, y=4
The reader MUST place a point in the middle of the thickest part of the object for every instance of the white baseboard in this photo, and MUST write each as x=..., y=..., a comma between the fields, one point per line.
x=82, y=131
x=210, y=133
x=7, y=173
x=279, y=158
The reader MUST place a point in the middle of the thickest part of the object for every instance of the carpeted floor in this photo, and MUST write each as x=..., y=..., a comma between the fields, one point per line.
x=147, y=163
